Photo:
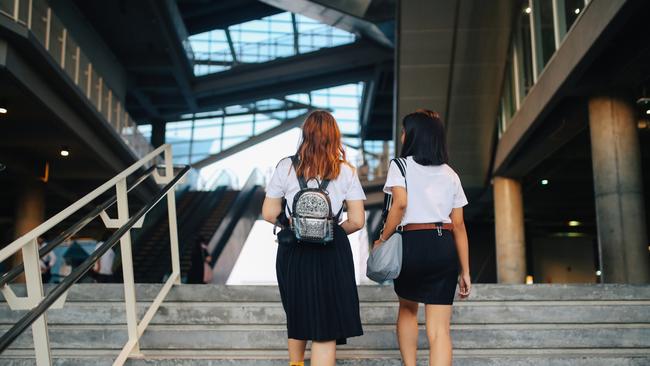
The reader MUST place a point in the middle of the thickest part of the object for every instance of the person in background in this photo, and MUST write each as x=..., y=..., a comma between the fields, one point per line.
x=198, y=259
x=103, y=269
x=47, y=261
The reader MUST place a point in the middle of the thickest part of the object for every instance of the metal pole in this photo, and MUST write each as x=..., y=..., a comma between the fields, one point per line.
x=35, y=294
x=533, y=39
x=559, y=22
x=127, y=267
x=171, y=212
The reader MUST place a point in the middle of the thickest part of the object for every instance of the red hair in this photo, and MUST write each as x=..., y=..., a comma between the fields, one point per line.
x=320, y=151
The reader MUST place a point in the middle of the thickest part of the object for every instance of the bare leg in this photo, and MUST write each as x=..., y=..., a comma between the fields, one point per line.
x=323, y=353
x=407, y=331
x=297, y=350
x=438, y=318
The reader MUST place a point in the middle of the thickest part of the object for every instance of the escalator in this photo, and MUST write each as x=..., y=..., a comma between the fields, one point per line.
x=222, y=217
x=209, y=227
x=151, y=249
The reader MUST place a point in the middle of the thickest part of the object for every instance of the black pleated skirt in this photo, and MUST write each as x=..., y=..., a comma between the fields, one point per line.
x=318, y=290
x=429, y=267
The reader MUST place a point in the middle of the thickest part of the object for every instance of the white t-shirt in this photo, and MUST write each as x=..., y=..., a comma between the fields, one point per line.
x=432, y=191
x=284, y=183
x=106, y=261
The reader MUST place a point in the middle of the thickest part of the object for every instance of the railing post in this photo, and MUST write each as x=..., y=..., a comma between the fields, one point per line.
x=34, y=286
x=127, y=267
x=171, y=212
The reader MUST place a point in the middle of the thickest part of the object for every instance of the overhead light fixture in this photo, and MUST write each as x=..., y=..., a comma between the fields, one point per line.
x=544, y=182
x=3, y=110
x=65, y=152
x=574, y=223
x=528, y=10
x=577, y=11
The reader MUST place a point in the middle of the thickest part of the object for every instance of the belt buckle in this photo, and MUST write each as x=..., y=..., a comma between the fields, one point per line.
x=439, y=228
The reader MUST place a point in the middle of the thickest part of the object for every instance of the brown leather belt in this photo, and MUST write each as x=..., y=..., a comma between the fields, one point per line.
x=428, y=226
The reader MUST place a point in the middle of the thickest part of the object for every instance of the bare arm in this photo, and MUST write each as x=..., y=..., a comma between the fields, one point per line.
x=396, y=212
x=271, y=208
x=462, y=246
x=356, y=216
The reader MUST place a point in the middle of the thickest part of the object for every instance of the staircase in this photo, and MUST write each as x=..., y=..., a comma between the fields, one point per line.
x=219, y=325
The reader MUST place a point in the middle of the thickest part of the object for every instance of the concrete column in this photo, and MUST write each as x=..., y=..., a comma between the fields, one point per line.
x=30, y=212
x=157, y=133
x=509, y=228
x=618, y=188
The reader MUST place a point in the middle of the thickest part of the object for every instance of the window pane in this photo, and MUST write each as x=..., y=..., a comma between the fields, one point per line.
x=56, y=38
x=70, y=57
x=547, y=35
x=524, y=51
x=23, y=11
x=39, y=19
x=572, y=9
x=7, y=7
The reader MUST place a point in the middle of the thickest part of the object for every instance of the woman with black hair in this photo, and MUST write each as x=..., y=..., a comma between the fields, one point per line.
x=427, y=207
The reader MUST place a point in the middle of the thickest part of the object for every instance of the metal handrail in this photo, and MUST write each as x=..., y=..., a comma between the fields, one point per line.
x=12, y=274
x=36, y=303
x=31, y=316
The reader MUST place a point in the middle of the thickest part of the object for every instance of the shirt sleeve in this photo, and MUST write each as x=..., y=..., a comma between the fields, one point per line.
x=459, y=196
x=394, y=178
x=355, y=191
x=277, y=186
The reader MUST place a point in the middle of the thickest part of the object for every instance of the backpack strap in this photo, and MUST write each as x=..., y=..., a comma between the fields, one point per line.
x=323, y=184
x=301, y=180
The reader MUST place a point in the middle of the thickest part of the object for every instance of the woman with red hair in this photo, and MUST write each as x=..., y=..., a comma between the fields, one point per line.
x=317, y=282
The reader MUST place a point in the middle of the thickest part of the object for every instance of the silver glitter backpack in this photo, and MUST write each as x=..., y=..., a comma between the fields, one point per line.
x=312, y=220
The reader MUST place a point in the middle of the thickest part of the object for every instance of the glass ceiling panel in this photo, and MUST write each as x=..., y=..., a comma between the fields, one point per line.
x=262, y=40
x=193, y=137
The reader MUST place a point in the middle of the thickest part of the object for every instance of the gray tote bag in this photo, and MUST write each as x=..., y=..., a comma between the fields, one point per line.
x=385, y=260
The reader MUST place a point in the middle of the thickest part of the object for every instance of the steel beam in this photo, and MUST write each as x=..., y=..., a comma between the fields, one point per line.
x=175, y=35
x=283, y=127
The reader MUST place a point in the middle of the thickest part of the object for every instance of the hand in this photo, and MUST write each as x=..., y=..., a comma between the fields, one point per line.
x=465, y=285
x=376, y=243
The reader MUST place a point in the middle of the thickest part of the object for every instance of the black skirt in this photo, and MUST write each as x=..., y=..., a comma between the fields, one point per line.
x=429, y=267
x=318, y=290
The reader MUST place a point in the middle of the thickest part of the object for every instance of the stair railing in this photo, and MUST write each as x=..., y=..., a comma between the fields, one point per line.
x=38, y=303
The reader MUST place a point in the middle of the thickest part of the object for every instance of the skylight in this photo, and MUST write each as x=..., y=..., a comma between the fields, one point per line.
x=280, y=35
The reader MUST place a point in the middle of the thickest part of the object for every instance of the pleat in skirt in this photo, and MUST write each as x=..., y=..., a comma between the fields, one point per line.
x=318, y=290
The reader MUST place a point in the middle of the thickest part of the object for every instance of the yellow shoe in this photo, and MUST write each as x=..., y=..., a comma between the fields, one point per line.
x=301, y=363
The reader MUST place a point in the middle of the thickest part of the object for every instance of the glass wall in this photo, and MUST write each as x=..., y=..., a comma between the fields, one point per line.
x=196, y=136
x=51, y=33
x=540, y=29
x=281, y=35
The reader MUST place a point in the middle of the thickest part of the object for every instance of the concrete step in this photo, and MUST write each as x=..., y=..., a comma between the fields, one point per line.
x=367, y=293
x=268, y=313
x=229, y=325
x=376, y=337
x=559, y=357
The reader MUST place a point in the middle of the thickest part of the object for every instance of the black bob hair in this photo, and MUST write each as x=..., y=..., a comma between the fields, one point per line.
x=425, y=138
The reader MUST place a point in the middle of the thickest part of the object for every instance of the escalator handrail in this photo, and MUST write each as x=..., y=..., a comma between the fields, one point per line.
x=13, y=273
x=31, y=316
x=230, y=220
